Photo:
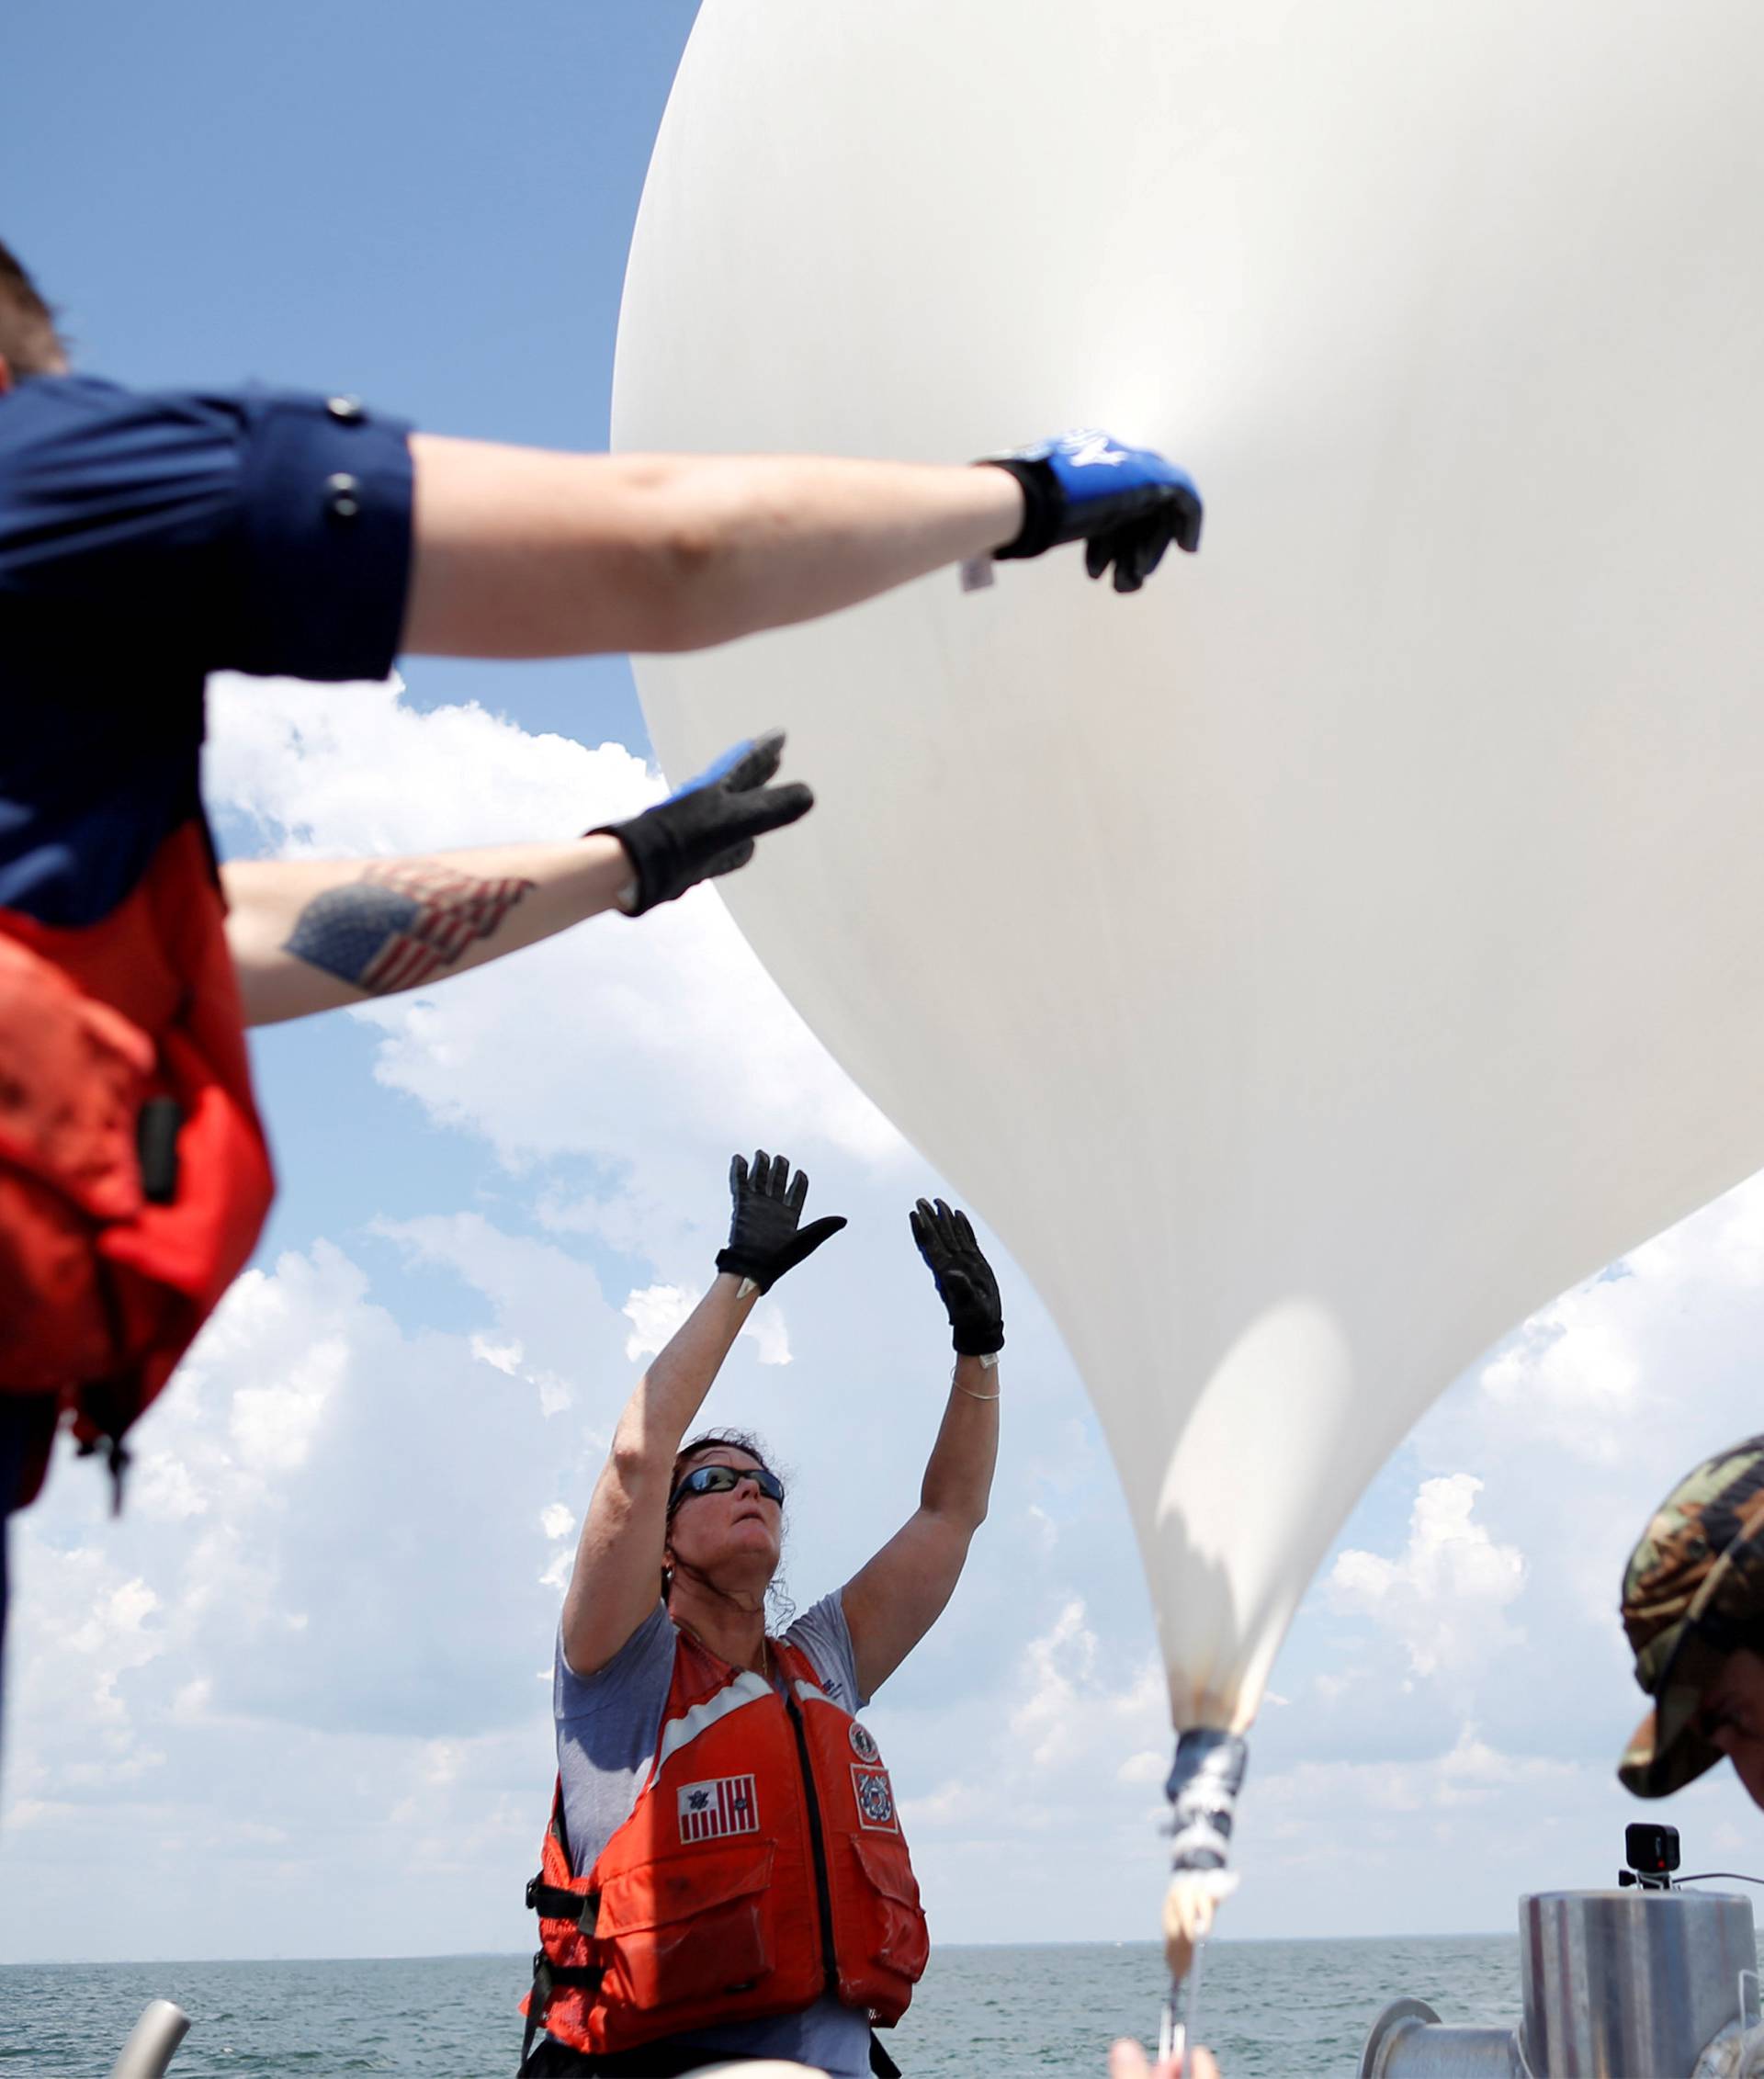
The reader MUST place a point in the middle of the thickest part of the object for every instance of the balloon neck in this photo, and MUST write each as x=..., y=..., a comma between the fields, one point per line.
x=1203, y=1789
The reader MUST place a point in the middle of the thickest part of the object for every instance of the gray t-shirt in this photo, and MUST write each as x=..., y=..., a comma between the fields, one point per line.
x=607, y=1727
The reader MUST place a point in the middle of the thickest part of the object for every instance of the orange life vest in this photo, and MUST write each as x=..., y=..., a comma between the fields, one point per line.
x=763, y=1865
x=134, y=1176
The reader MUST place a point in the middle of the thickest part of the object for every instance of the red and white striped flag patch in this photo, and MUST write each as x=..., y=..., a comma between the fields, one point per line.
x=724, y=1806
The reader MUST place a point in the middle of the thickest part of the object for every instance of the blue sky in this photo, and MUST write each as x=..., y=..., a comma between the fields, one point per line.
x=316, y=1645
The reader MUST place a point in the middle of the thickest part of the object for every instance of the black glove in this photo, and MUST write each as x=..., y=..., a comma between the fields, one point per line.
x=1126, y=504
x=708, y=826
x=964, y=1279
x=764, y=1239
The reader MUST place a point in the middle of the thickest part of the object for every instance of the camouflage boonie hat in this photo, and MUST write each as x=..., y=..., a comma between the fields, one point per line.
x=1693, y=1591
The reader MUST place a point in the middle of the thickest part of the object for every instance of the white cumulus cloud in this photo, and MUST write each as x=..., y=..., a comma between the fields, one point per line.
x=656, y=1311
x=1446, y=1596
x=634, y=1038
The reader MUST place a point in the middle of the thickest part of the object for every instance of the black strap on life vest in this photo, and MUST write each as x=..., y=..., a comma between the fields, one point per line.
x=156, y=1130
x=548, y=1977
x=111, y=1404
x=556, y=1901
x=881, y=2064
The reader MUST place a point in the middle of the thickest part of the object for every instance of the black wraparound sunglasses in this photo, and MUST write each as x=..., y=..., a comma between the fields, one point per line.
x=720, y=1479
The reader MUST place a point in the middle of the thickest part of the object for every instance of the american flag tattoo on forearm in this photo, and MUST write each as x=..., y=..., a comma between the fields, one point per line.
x=395, y=925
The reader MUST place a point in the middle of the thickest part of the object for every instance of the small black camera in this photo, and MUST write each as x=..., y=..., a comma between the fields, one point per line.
x=1652, y=1853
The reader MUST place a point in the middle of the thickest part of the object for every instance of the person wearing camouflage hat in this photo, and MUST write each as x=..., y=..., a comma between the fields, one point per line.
x=1693, y=1608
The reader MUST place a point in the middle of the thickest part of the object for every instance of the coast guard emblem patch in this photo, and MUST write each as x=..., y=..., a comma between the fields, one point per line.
x=724, y=1806
x=874, y=1800
x=862, y=1743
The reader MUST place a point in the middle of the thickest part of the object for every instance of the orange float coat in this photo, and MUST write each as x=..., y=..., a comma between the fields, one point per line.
x=763, y=1865
x=134, y=1176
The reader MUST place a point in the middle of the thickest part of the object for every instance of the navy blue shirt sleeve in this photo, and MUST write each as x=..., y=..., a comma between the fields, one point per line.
x=263, y=532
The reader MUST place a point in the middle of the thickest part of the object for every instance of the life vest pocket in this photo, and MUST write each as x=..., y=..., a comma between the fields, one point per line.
x=900, y=1940
x=72, y=1076
x=687, y=1928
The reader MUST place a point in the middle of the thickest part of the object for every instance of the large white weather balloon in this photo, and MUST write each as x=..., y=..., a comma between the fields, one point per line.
x=1314, y=963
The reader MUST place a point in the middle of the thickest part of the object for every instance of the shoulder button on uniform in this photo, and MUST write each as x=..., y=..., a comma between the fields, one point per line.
x=348, y=409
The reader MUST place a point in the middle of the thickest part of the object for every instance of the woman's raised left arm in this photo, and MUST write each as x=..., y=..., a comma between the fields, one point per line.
x=894, y=1601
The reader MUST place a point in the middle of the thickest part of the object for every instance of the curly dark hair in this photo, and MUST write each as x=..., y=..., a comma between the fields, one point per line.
x=714, y=1439
x=779, y=1608
x=27, y=334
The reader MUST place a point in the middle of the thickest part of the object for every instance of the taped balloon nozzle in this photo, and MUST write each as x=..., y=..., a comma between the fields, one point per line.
x=1203, y=1789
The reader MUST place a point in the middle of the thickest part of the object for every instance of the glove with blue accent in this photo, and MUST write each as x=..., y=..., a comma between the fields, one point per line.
x=1126, y=504
x=708, y=826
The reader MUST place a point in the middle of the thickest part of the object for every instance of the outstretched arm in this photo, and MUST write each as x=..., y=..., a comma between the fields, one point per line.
x=522, y=552
x=895, y=1601
x=312, y=934
x=309, y=934
x=618, y=1560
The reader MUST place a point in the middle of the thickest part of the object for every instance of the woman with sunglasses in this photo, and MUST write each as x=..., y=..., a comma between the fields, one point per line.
x=725, y=1874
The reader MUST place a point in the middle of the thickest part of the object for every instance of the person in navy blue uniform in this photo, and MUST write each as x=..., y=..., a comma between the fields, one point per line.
x=148, y=538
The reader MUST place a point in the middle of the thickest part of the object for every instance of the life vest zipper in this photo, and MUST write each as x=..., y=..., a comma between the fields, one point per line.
x=823, y=1889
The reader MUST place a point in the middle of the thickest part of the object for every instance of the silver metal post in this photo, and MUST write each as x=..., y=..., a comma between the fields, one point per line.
x=152, y=2042
x=1629, y=1980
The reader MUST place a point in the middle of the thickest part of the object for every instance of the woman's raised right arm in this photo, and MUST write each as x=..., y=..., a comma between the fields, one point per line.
x=617, y=1572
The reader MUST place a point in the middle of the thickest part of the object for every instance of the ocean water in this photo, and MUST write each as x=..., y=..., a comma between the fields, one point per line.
x=1271, y=2010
